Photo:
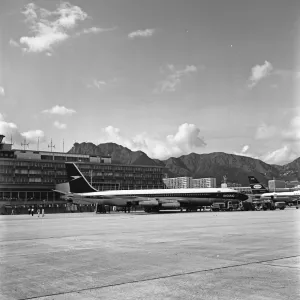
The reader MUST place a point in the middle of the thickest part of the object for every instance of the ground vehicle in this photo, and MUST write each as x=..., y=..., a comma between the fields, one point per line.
x=268, y=204
x=246, y=206
x=280, y=205
x=297, y=204
x=264, y=205
x=221, y=206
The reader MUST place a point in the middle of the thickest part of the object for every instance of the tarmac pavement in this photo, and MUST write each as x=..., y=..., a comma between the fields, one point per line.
x=203, y=255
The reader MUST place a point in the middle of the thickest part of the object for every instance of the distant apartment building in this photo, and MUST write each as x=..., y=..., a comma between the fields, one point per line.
x=292, y=184
x=276, y=184
x=189, y=182
x=178, y=182
x=204, y=183
x=242, y=189
x=281, y=184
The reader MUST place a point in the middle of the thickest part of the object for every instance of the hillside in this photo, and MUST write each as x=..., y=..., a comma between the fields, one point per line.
x=216, y=164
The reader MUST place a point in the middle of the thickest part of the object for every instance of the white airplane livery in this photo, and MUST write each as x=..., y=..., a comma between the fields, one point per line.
x=294, y=194
x=264, y=194
x=150, y=199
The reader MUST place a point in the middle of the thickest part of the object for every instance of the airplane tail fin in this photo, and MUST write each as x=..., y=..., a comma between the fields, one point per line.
x=77, y=182
x=256, y=186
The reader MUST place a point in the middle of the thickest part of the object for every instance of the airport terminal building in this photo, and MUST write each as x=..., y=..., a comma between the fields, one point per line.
x=32, y=175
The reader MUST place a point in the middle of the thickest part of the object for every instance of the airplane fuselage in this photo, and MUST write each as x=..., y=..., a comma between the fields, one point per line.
x=81, y=190
x=162, y=197
x=283, y=196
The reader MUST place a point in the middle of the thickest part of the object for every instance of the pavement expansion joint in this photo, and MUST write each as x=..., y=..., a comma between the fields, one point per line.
x=160, y=277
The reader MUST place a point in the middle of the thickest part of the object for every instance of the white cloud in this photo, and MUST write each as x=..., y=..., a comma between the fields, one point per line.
x=184, y=141
x=33, y=135
x=141, y=33
x=174, y=79
x=259, y=72
x=59, y=110
x=7, y=127
x=68, y=15
x=283, y=155
x=50, y=28
x=100, y=84
x=245, y=149
x=187, y=138
x=13, y=43
x=265, y=131
x=59, y=125
x=244, y=152
x=292, y=134
x=2, y=92
x=289, y=148
x=11, y=131
x=112, y=132
x=94, y=30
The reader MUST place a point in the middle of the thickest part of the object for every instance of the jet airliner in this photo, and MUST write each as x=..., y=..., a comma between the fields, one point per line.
x=152, y=200
x=263, y=193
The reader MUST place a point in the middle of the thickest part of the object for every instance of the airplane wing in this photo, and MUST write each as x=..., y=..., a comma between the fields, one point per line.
x=60, y=192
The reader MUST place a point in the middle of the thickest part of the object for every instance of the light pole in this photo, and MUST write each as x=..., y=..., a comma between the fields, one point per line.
x=91, y=175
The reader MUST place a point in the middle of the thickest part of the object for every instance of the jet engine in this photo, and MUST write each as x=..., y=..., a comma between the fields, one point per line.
x=170, y=205
x=149, y=203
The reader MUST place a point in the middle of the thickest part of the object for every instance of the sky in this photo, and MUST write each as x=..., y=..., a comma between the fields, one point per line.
x=167, y=77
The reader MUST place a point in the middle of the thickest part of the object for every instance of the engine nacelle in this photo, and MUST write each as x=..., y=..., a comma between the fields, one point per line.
x=148, y=203
x=171, y=205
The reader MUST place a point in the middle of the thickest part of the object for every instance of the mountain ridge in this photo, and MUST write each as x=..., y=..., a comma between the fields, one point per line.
x=237, y=168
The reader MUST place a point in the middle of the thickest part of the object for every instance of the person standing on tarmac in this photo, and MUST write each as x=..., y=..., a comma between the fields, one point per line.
x=43, y=211
x=38, y=211
x=32, y=211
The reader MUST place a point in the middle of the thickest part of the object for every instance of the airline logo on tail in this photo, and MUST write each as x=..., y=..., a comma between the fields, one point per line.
x=256, y=186
x=77, y=182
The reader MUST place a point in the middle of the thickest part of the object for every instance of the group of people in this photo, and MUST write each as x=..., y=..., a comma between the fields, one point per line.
x=39, y=210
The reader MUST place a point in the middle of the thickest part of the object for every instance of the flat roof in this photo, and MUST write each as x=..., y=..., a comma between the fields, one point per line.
x=53, y=153
x=79, y=162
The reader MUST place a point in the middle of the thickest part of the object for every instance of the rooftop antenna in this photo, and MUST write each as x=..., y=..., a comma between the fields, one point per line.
x=11, y=141
x=25, y=144
x=51, y=146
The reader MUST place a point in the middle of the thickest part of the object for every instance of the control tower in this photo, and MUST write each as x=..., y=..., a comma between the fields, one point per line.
x=224, y=184
x=1, y=138
x=3, y=146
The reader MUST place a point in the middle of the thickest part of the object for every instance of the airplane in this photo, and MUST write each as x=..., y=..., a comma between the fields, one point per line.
x=256, y=187
x=152, y=200
x=262, y=193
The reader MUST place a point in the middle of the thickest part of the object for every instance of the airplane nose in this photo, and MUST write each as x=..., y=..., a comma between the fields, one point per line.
x=243, y=197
